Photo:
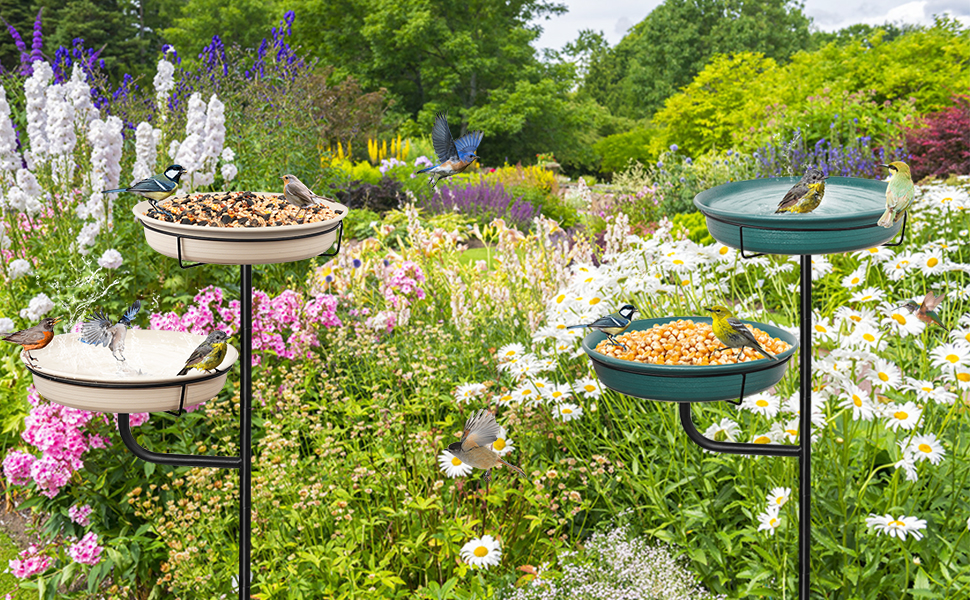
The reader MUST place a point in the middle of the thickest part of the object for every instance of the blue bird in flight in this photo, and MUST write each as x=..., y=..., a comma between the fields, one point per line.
x=454, y=156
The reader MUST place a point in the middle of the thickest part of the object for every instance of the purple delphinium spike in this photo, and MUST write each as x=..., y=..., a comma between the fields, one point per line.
x=37, y=46
x=25, y=68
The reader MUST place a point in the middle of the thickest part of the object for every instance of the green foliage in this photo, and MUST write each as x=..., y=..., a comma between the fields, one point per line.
x=672, y=44
x=242, y=22
x=617, y=151
x=695, y=224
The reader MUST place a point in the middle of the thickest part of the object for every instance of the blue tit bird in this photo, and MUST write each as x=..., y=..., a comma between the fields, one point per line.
x=453, y=156
x=806, y=195
x=612, y=325
x=926, y=312
x=733, y=333
x=899, y=193
x=98, y=330
x=157, y=187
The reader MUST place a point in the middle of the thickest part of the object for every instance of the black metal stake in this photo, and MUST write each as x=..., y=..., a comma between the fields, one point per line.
x=804, y=448
x=243, y=462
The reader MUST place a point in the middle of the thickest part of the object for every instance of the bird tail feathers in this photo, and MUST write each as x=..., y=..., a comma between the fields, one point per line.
x=575, y=327
x=513, y=467
x=887, y=219
x=113, y=191
x=183, y=371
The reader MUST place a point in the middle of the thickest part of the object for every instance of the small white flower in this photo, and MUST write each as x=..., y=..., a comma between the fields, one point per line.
x=855, y=278
x=762, y=404
x=503, y=444
x=903, y=416
x=567, y=412
x=111, y=259
x=778, y=496
x=509, y=351
x=948, y=356
x=588, y=387
x=908, y=464
x=469, y=390
x=452, y=465
x=558, y=392
x=228, y=155
x=859, y=401
x=6, y=325
x=869, y=294
x=769, y=520
x=896, y=527
x=526, y=393
x=18, y=268
x=885, y=374
x=39, y=306
x=926, y=447
x=229, y=172
x=482, y=553
x=726, y=430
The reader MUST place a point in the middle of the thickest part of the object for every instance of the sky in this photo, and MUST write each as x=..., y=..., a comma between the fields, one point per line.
x=614, y=17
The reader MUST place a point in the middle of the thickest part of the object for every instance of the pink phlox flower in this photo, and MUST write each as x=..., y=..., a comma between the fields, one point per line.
x=30, y=563
x=50, y=475
x=17, y=465
x=79, y=514
x=209, y=295
x=87, y=551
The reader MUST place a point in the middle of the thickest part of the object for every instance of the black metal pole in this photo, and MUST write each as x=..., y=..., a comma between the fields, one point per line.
x=177, y=460
x=731, y=447
x=245, y=427
x=805, y=434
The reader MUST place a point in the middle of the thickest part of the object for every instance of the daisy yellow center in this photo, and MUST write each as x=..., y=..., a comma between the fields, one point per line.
x=901, y=415
x=897, y=524
x=780, y=500
x=580, y=299
x=932, y=262
x=873, y=250
x=952, y=358
x=560, y=298
x=510, y=353
x=856, y=400
x=498, y=444
x=561, y=326
x=593, y=301
x=723, y=250
x=589, y=387
x=855, y=280
x=883, y=377
x=481, y=551
x=588, y=279
x=866, y=297
x=820, y=329
x=856, y=318
x=678, y=262
x=762, y=439
x=567, y=411
x=526, y=392
x=925, y=448
x=506, y=398
x=899, y=318
x=773, y=522
x=926, y=389
x=556, y=394
x=868, y=337
x=791, y=432
x=456, y=461
x=947, y=199
x=964, y=377
x=762, y=403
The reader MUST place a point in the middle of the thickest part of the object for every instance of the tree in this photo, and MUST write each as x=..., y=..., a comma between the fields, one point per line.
x=663, y=53
x=242, y=22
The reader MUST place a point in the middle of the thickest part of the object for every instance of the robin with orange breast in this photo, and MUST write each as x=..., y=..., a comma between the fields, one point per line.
x=34, y=338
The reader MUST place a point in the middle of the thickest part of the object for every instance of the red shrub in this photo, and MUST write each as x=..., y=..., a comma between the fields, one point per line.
x=942, y=145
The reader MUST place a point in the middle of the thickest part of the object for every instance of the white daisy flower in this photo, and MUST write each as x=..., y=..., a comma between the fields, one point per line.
x=469, y=391
x=947, y=357
x=869, y=294
x=588, y=387
x=902, y=321
x=510, y=351
x=962, y=375
x=867, y=337
x=931, y=262
x=778, y=496
x=525, y=393
x=503, y=444
x=820, y=266
x=885, y=374
x=928, y=391
x=896, y=527
x=567, y=412
x=724, y=431
x=762, y=404
x=961, y=334
x=558, y=392
x=904, y=416
x=792, y=430
x=863, y=409
x=527, y=366
x=505, y=398
x=822, y=329
x=482, y=553
x=908, y=464
x=452, y=465
x=541, y=385
x=762, y=438
x=926, y=447
x=855, y=278
x=879, y=254
x=769, y=520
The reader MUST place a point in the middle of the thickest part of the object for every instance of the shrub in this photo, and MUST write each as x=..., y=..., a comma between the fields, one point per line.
x=381, y=197
x=619, y=150
x=942, y=145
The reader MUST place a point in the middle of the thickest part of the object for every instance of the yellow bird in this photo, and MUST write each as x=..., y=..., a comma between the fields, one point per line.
x=899, y=194
x=808, y=202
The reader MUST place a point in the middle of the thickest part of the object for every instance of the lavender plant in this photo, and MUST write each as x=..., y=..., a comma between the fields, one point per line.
x=483, y=202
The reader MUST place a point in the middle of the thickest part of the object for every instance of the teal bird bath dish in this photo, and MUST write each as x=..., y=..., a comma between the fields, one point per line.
x=741, y=214
x=689, y=383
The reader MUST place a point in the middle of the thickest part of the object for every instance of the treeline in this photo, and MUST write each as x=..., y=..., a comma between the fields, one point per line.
x=703, y=74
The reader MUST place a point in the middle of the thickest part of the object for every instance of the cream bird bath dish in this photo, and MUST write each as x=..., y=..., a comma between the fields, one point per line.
x=251, y=245
x=89, y=378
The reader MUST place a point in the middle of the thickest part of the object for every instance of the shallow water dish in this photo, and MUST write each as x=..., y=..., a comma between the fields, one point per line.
x=845, y=221
x=688, y=383
x=89, y=378
x=241, y=245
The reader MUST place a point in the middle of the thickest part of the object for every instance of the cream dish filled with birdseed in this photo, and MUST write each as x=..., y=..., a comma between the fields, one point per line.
x=240, y=228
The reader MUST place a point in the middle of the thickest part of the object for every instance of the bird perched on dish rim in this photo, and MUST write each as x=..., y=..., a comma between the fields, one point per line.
x=209, y=354
x=157, y=187
x=612, y=325
x=454, y=156
x=481, y=430
x=926, y=311
x=806, y=195
x=99, y=331
x=733, y=333
x=297, y=193
x=899, y=193
x=34, y=338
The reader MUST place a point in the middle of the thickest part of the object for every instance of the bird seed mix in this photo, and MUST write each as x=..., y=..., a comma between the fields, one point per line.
x=684, y=342
x=238, y=209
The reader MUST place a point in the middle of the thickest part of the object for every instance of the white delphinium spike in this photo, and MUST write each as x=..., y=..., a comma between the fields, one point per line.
x=80, y=94
x=60, y=132
x=31, y=190
x=106, y=140
x=229, y=170
x=164, y=81
x=9, y=157
x=146, y=150
x=35, y=93
x=190, y=153
x=215, y=138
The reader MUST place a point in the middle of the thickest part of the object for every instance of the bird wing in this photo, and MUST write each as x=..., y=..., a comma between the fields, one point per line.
x=95, y=329
x=794, y=195
x=444, y=145
x=152, y=184
x=480, y=430
x=609, y=321
x=930, y=302
x=130, y=313
x=300, y=191
x=899, y=194
x=26, y=336
x=198, y=354
x=742, y=329
x=469, y=142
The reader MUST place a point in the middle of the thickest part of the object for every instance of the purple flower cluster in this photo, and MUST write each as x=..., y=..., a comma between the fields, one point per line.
x=854, y=159
x=401, y=288
x=87, y=551
x=79, y=514
x=31, y=562
x=483, y=201
x=285, y=325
